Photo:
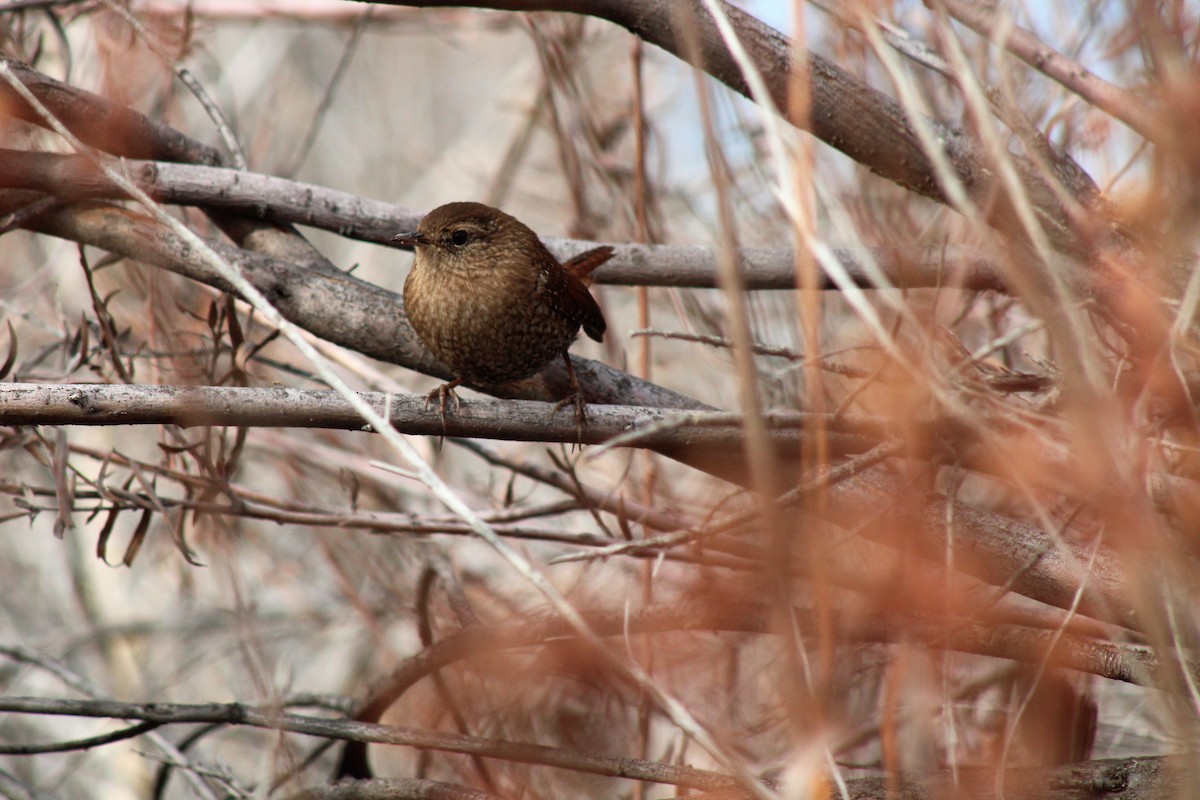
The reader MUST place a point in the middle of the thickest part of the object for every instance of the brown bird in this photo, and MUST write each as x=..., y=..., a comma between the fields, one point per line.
x=491, y=302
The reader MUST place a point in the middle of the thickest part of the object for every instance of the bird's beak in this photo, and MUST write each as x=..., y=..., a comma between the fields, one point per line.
x=410, y=239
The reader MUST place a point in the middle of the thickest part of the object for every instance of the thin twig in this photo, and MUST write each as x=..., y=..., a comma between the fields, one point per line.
x=187, y=79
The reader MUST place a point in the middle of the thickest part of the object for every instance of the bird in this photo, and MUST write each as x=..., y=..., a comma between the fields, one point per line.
x=493, y=304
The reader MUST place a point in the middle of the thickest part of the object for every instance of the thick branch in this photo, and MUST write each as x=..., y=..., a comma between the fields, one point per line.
x=484, y=418
x=1025, y=45
x=865, y=124
x=115, y=129
x=334, y=306
x=100, y=123
x=997, y=549
x=285, y=201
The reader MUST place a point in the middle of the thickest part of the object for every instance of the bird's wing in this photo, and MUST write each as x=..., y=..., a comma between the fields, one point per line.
x=584, y=308
x=568, y=294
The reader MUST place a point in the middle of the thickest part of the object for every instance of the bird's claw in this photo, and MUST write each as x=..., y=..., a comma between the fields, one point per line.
x=575, y=399
x=441, y=393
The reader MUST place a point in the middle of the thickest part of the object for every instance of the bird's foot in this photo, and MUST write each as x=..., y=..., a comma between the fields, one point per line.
x=441, y=393
x=575, y=399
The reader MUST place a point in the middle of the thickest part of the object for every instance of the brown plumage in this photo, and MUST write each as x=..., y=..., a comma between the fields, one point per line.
x=491, y=302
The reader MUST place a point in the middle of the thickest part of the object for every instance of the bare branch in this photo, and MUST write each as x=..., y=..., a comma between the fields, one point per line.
x=845, y=113
x=1022, y=43
x=281, y=200
x=518, y=420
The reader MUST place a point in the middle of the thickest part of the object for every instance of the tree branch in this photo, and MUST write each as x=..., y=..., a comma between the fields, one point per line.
x=485, y=418
x=1118, y=102
x=847, y=114
x=997, y=549
x=113, y=128
x=73, y=178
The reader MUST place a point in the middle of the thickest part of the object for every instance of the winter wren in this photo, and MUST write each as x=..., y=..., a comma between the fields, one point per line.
x=491, y=302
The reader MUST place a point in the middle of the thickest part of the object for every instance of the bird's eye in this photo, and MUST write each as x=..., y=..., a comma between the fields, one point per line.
x=459, y=237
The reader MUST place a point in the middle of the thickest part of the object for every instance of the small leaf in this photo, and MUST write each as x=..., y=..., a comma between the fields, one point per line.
x=105, y=533
x=139, y=536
